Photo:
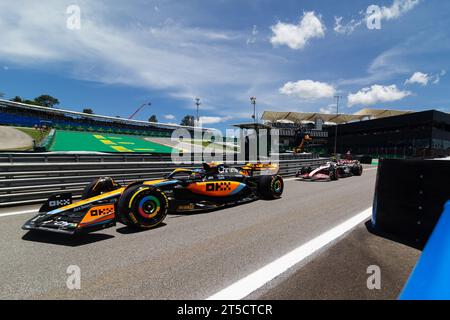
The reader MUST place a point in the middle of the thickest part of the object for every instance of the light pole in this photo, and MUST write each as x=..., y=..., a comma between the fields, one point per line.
x=253, y=101
x=197, y=103
x=336, y=129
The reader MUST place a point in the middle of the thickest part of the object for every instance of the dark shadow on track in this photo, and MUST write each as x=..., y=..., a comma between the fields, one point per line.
x=64, y=239
x=391, y=237
x=174, y=215
x=132, y=230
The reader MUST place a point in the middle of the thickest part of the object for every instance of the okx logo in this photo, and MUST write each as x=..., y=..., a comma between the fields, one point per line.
x=101, y=211
x=218, y=186
x=60, y=203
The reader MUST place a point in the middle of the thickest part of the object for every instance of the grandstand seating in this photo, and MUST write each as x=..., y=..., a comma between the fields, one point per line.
x=16, y=115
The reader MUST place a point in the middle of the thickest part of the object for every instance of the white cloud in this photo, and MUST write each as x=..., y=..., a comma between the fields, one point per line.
x=213, y=120
x=347, y=28
x=328, y=109
x=400, y=60
x=297, y=36
x=437, y=78
x=424, y=78
x=254, y=34
x=169, y=117
x=308, y=89
x=394, y=11
x=113, y=47
x=376, y=94
x=420, y=78
x=398, y=8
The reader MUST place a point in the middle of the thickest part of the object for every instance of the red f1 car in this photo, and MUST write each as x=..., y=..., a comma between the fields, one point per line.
x=331, y=171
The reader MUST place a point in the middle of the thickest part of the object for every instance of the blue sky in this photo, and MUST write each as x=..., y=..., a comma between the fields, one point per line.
x=291, y=55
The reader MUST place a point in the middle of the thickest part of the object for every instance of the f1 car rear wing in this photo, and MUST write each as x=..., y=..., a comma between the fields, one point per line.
x=252, y=169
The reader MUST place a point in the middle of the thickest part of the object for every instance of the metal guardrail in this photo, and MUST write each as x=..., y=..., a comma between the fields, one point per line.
x=51, y=157
x=32, y=178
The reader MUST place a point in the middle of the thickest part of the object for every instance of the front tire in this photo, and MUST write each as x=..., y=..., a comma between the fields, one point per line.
x=142, y=206
x=334, y=175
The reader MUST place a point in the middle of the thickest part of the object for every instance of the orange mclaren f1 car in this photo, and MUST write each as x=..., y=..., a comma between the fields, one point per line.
x=145, y=204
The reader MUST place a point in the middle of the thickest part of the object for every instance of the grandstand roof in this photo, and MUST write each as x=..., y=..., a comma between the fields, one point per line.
x=7, y=103
x=381, y=113
x=363, y=114
x=251, y=125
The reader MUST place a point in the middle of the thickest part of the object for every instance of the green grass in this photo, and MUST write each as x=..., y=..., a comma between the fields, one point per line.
x=33, y=133
x=104, y=142
x=205, y=143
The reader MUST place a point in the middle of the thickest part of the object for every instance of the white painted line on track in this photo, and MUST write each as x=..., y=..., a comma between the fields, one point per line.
x=257, y=279
x=18, y=212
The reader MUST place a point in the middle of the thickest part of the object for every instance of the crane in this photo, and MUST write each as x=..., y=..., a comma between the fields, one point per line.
x=139, y=109
x=301, y=140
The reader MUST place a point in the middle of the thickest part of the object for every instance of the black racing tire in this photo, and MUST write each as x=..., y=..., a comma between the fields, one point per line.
x=357, y=170
x=142, y=207
x=300, y=171
x=271, y=187
x=334, y=176
x=305, y=170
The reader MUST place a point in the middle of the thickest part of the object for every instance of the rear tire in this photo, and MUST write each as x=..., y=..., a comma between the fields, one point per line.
x=271, y=187
x=142, y=207
x=357, y=170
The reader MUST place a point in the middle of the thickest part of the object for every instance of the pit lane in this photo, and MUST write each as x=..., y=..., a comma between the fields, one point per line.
x=189, y=257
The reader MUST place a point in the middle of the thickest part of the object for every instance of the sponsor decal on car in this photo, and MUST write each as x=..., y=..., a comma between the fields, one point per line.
x=98, y=214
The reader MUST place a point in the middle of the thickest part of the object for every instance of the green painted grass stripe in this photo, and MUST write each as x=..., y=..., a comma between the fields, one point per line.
x=86, y=141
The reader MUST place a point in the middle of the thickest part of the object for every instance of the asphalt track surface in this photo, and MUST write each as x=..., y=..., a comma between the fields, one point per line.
x=12, y=139
x=189, y=257
x=341, y=271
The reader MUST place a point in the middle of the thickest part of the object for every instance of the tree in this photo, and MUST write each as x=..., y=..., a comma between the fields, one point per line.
x=16, y=99
x=88, y=111
x=188, y=120
x=153, y=119
x=31, y=102
x=46, y=100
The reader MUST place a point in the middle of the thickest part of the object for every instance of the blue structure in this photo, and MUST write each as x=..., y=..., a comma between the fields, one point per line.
x=430, y=279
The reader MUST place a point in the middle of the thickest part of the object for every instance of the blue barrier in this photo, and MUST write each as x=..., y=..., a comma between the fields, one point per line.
x=430, y=279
